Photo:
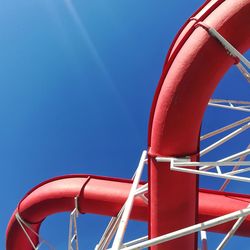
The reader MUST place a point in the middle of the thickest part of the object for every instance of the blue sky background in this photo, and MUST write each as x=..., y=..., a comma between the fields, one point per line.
x=77, y=82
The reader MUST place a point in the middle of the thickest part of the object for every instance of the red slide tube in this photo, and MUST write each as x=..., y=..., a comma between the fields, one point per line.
x=106, y=196
x=194, y=66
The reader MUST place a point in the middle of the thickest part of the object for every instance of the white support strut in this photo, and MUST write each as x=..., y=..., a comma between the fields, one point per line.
x=128, y=205
x=232, y=52
x=223, y=129
x=235, y=169
x=244, y=71
x=189, y=230
x=240, y=155
x=232, y=107
x=231, y=232
x=228, y=46
x=118, y=224
x=24, y=225
x=203, y=240
x=73, y=235
x=181, y=165
x=211, y=174
x=225, y=139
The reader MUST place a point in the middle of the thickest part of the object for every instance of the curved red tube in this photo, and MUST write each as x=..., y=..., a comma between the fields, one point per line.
x=95, y=194
x=104, y=196
x=195, y=64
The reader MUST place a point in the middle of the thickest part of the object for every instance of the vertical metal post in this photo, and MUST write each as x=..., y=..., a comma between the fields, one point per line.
x=73, y=236
x=203, y=240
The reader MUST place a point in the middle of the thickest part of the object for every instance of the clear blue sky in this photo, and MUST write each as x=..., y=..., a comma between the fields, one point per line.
x=77, y=82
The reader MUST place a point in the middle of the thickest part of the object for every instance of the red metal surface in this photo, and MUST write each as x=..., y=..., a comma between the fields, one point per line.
x=195, y=64
x=104, y=196
x=193, y=68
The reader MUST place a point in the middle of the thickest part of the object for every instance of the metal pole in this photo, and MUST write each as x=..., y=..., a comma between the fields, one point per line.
x=110, y=231
x=231, y=232
x=224, y=176
x=128, y=205
x=244, y=71
x=70, y=233
x=223, y=129
x=224, y=139
x=204, y=240
x=229, y=107
x=233, y=157
x=192, y=229
x=228, y=46
x=234, y=171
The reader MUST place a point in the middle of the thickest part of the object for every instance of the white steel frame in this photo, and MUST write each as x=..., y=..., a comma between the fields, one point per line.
x=27, y=227
x=118, y=224
x=230, y=104
x=73, y=235
x=225, y=138
x=232, y=51
x=223, y=129
x=203, y=234
x=189, y=230
x=235, y=169
x=143, y=242
x=231, y=232
x=182, y=165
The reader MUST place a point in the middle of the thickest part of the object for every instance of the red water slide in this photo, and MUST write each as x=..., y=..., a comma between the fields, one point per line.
x=105, y=196
x=194, y=65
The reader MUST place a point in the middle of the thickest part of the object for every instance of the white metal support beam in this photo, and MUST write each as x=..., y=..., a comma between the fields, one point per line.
x=231, y=232
x=114, y=222
x=238, y=171
x=184, y=169
x=233, y=105
x=190, y=230
x=244, y=71
x=225, y=139
x=141, y=192
x=26, y=227
x=223, y=129
x=181, y=165
x=229, y=47
x=232, y=52
x=109, y=232
x=73, y=236
x=240, y=155
x=204, y=240
x=133, y=242
x=235, y=169
x=128, y=205
x=119, y=223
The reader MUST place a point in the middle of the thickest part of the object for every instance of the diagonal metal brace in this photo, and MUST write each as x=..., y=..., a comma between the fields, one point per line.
x=231, y=50
x=73, y=236
x=27, y=227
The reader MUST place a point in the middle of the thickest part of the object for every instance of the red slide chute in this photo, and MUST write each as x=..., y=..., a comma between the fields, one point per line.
x=194, y=65
x=105, y=196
